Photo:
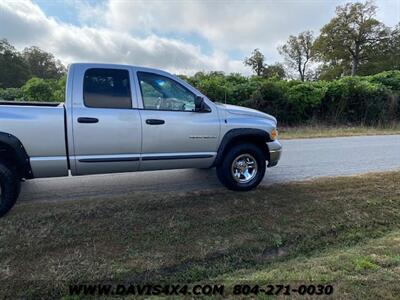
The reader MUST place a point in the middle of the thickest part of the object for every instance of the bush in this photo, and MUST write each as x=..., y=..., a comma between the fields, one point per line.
x=390, y=79
x=233, y=88
x=360, y=100
x=305, y=99
x=10, y=94
x=215, y=87
x=356, y=100
x=37, y=89
x=59, y=89
x=270, y=97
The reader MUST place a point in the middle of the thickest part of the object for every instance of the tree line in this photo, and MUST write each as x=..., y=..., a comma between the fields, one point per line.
x=32, y=74
x=347, y=74
x=16, y=68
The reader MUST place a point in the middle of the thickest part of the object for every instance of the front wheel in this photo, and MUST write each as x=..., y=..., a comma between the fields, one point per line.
x=9, y=188
x=243, y=167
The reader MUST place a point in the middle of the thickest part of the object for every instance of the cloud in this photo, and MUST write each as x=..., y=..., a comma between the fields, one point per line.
x=232, y=25
x=179, y=36
x=23, y=23
x=229, y=25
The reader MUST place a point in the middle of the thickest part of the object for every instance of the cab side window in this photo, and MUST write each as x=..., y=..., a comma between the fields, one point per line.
x=162, y=93
x=107, y=88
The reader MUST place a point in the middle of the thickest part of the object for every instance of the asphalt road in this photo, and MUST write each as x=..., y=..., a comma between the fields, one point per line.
x=302, y=159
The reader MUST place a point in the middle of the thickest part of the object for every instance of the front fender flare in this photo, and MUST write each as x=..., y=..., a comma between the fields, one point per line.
x=241, y=134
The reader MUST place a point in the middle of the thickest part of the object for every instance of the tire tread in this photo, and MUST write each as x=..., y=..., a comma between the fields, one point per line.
x=10, y=185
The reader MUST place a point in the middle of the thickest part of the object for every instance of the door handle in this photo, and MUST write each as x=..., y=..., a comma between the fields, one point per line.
x=88, y=120
x=154, y=122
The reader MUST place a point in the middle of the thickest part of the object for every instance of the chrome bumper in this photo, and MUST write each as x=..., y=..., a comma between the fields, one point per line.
x=275, y=150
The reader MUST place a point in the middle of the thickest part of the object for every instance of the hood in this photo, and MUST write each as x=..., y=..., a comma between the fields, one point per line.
x=240, y=110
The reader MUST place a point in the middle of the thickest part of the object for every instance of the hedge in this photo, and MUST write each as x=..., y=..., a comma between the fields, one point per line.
x=369, y=100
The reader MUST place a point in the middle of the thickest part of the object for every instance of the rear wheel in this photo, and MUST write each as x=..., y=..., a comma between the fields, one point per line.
x=243, y=167
x=9, y=188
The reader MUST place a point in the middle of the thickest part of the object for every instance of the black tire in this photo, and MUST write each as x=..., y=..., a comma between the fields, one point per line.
x=10, y=187
x=224, y=169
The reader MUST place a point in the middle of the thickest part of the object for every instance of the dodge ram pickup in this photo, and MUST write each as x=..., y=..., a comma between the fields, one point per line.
x=119, y=118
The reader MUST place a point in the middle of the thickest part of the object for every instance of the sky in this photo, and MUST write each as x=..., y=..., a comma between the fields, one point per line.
x=180, y=36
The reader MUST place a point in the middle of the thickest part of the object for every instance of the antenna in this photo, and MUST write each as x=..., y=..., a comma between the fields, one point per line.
x=225, y=95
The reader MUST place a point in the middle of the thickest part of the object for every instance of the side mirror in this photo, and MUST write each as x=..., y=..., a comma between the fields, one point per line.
x=200, y=105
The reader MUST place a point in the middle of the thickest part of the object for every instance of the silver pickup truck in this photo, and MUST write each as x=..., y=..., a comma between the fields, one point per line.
x=119, y=118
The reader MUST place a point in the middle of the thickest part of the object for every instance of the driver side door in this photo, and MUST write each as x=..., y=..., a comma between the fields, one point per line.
x=174, y=135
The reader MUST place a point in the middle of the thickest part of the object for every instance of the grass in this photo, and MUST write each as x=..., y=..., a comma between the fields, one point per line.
x=342, y=231
x=318, y=131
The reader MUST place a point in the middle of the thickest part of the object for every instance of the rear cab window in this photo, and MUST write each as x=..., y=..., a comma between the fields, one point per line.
x=107, y=88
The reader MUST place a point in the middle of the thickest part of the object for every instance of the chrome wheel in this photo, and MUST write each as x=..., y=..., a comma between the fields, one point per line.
x=244, y=168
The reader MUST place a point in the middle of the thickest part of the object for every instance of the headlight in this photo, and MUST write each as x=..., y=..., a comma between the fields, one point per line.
x=274, y=134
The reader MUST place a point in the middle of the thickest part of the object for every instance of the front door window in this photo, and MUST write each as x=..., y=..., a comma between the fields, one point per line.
x=162, y=93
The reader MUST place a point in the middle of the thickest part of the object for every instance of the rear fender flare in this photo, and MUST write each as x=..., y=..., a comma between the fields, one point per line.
x=20, y=157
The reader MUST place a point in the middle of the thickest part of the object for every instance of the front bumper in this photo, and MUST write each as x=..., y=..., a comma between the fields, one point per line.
x=275, y=150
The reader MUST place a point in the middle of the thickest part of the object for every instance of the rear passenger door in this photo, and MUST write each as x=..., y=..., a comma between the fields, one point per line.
x=106, y=124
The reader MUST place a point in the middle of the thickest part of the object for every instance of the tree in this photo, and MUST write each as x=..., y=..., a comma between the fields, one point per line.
x=298, y=51
x=276, y=70
x=395, y=48
x=13, y=70
x=351, y=36
x=386, y=55
x=43, y=64
x=256, y=62
x=389, y=53
x=330, y=70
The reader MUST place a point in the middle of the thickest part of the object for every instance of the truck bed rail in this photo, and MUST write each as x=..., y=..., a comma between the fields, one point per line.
x=29, y=103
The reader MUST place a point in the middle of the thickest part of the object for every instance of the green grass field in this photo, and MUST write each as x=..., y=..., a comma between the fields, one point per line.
x=342, y=231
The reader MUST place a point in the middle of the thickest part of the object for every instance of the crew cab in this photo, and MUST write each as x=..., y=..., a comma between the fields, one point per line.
x=119, y=118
